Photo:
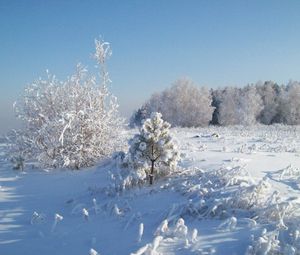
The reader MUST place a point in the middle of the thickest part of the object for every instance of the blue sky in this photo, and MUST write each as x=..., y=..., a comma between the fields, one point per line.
x=215, y=43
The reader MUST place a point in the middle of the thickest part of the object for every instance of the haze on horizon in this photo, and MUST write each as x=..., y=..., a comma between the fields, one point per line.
x=215, y=43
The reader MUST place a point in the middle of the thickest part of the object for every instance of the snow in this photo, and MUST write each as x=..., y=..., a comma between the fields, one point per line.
x=221, y=201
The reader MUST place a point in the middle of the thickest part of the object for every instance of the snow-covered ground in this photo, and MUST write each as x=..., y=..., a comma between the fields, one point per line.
x=235, y=187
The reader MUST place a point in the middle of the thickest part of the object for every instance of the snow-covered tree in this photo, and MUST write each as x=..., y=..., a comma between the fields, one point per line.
x=154, y=147
x=289, y=105
x=216, y=104
x=250, y=105
x=236, y=106
x=137, y=118
x=70, y=123
x=268, y=92
x=183, y=104
x=228, y=110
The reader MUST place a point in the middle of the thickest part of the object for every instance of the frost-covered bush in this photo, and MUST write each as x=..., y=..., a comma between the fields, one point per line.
x=230, y=191
x=277, y=241
x=70, y=123
x=154, y=149
x=125, y=174
x=183, y=104
x=267, y=243
x=179, y=234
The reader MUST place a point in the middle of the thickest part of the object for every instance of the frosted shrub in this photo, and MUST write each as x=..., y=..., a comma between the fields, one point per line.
x=288, y=173
x=229, y=190
x=277, y=241
x=252, y=196
x=70, y=123
x=125, y=174
x=178, y=234
x=267, y=243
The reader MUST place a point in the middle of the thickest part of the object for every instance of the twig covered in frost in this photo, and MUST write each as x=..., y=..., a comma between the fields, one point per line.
x=289, y=172
x=142, y=250
x=251, y=223
x=289, y=250
x=156, y=242
x=181, y=229
x=116, y=211
x=141, y=231
x=93, y=252
x=57, y=218
x=194, y=236
x=162, y=229
x=172, y=210
x=96, y=207
x=77, y=210
x=85, y=214
x=228, y=225
x=34, y=217
x=131, y=219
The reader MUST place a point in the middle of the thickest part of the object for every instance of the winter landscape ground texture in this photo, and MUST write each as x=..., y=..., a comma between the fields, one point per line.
x=236, y=191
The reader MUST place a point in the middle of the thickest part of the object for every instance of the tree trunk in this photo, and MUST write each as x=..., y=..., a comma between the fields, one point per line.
x=151, y=175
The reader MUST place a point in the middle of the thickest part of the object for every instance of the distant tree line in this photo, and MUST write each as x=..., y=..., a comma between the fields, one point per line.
x=185, y=104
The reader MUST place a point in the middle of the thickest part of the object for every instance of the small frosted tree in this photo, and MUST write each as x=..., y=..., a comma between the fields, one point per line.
x=154, y=147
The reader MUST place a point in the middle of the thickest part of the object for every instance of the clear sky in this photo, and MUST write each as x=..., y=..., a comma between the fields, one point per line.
x=154, y=42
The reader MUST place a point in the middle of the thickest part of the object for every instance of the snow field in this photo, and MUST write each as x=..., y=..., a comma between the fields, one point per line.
x=236, y=191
